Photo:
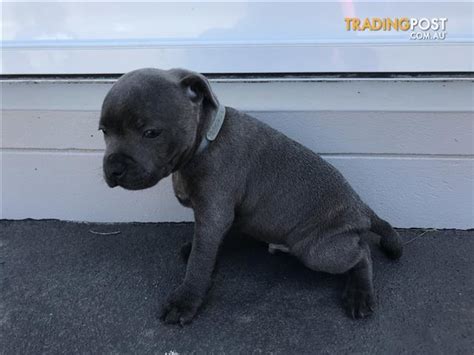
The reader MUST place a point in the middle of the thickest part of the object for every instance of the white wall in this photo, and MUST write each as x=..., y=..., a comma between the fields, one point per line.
x=405, y=145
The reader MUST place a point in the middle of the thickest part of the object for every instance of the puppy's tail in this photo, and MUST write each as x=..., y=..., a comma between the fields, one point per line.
x=390, y=241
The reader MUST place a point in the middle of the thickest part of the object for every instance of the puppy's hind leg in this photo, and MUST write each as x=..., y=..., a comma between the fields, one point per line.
x=338, y=254
x=358, y=295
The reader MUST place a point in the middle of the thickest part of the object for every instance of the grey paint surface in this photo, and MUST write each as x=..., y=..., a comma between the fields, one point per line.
x=65, y=290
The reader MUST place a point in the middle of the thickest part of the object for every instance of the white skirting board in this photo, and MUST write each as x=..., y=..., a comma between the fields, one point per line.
x=405, y=146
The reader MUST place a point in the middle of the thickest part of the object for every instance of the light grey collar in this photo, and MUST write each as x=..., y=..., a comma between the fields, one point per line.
x=213, y=130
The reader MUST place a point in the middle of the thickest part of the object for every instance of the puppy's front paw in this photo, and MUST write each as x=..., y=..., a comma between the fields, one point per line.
x=186, y=251
x=181, y=306
x=359, y=303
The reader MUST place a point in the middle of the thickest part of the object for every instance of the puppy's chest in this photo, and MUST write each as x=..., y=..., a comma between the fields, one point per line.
x=181, y=190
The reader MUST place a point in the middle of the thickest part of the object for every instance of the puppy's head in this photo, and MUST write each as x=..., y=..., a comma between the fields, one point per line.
x=152, y=122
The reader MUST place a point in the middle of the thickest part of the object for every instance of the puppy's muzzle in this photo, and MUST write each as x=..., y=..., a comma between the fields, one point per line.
x=115, y=168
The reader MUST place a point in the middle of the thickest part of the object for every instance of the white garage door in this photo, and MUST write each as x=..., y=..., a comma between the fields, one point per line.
x=248, y=37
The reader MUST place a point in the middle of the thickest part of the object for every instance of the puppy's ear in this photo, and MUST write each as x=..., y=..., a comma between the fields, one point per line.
x=198, y=89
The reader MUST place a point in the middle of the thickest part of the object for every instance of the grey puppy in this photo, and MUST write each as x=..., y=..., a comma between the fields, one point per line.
x=234, y=170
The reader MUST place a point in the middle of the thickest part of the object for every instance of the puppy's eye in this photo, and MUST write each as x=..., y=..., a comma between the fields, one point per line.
x=104, y=131
x=151, y=133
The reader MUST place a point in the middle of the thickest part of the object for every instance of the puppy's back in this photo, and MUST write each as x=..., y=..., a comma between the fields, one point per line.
x=285, y=182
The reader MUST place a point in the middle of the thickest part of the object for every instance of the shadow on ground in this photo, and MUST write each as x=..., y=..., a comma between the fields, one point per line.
x=66, y=290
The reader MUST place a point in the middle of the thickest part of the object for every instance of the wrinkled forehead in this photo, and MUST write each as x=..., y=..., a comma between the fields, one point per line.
x=134, y=101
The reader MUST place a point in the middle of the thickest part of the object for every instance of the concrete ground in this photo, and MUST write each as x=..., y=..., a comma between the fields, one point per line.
x=65, y=289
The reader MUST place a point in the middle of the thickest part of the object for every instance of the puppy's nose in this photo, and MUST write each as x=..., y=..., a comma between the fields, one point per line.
x=116, y=166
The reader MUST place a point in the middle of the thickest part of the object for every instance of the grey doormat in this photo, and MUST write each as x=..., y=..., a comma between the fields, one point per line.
x=67, y=290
